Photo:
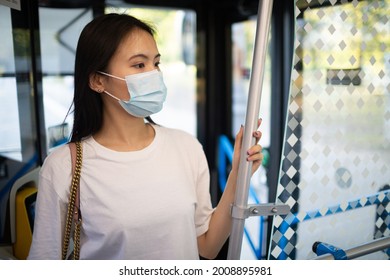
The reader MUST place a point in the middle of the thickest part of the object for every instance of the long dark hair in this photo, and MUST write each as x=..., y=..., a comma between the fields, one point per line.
x=97, y=44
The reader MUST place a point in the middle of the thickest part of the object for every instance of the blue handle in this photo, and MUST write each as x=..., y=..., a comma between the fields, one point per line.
x=321, y=248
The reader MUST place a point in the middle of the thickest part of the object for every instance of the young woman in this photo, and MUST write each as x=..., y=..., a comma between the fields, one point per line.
x=144, y=189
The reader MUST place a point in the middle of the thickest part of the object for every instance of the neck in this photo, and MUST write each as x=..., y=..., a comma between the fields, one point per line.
x=125, y=134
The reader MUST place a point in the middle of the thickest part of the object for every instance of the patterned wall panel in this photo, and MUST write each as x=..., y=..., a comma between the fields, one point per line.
x=336, y=158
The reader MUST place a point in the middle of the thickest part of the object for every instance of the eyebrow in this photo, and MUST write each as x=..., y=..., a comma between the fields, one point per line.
x=143, y=56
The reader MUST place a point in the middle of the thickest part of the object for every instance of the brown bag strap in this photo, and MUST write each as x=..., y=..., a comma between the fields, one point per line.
x=73, y=217
x=73, y=155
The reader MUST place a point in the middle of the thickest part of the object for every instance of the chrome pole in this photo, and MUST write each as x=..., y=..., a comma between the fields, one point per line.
x=252, y=113
x=361, y=250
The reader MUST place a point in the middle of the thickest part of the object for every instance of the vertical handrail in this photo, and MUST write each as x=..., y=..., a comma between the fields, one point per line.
x=252, y=113
x=225, y=151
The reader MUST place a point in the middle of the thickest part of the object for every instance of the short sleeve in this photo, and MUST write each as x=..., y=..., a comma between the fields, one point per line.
x=51, y=205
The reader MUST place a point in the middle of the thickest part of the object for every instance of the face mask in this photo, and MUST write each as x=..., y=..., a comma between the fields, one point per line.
x=147, y=93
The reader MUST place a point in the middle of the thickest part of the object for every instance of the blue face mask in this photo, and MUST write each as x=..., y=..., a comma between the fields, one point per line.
x=147, y=93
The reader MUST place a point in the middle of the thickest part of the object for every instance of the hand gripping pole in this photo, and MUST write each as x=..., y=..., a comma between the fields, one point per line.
x=255, y=87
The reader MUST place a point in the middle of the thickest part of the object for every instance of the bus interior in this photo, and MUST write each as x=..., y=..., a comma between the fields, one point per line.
x=325, y=109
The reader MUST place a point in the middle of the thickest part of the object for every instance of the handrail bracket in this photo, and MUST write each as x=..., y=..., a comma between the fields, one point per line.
x=265, y=209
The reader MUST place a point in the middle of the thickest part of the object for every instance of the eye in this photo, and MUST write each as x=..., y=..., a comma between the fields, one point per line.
x=139, y=65
x=157, y=64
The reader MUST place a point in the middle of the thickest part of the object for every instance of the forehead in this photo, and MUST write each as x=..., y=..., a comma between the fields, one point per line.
x=137, y=41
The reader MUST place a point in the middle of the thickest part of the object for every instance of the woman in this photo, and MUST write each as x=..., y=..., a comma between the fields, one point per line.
x=144, y=189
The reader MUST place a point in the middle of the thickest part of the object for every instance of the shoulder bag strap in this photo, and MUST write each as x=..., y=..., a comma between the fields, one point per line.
x=73, y=216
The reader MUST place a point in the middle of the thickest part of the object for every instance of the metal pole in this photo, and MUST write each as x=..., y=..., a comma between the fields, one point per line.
x=252, y=113
x=361, y=250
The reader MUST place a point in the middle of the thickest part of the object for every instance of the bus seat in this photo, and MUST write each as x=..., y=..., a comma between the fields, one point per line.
x=22, y=201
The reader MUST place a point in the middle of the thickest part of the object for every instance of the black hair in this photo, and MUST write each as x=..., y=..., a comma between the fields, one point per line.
x=97, y=44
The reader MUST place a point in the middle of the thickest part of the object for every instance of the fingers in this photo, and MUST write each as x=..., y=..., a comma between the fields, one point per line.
x=255, y=153
x=257, y=135
x=256, y=156
x=259, y=121
x=240, y=133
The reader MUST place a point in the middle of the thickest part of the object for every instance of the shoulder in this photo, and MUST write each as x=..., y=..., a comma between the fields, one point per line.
x=179, y=137
x=57, y=162
x=184, y=144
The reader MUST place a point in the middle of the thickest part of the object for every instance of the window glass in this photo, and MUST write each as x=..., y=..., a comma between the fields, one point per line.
x=243, y=37
x=336, y=159
x=59, y=32
x=10, y=144
x=18, y=128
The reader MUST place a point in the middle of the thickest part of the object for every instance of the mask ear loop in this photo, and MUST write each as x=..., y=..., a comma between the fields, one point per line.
x=106, y=92
x=104, y=73
x=112, y=76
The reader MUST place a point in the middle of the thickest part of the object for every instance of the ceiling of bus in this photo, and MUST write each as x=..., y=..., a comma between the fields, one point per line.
x=168, y=3
x=239, y=7
x=238, y=4
x=235, y=10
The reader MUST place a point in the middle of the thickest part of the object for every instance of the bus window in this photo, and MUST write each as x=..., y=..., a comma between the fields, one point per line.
x=243, y=35
x=336, y=154
x=18, y=127
x=10, y=145
x=59, y=32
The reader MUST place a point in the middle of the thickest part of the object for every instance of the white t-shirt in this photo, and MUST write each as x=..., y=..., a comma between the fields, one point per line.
x=147, y=204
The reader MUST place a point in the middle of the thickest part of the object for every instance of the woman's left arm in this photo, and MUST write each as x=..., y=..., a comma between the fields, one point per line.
x=211, y=242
